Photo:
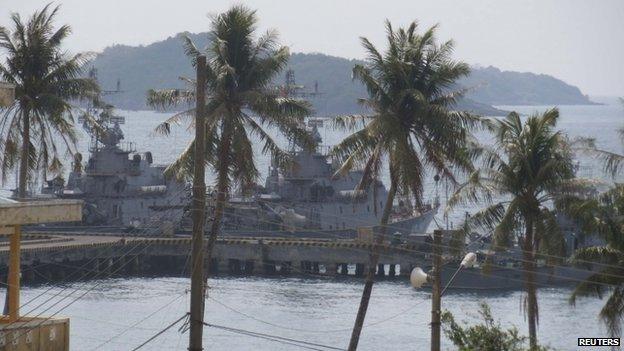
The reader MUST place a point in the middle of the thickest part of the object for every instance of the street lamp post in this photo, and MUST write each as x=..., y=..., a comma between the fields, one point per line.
x=418, y=277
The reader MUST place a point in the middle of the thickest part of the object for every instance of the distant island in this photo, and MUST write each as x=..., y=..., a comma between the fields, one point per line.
x=160, y=64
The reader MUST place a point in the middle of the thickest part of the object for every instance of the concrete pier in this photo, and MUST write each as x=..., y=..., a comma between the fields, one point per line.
x=56, y=257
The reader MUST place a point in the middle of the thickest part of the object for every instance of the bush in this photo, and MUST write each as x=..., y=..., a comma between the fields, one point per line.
x=487, y=336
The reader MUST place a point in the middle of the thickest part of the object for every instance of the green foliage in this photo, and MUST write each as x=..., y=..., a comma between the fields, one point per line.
x=529, y=166
x=412, y=123
x=493, y=86
x=602, y=214
x=240, y=100
x=486, y=336
x=47, y=81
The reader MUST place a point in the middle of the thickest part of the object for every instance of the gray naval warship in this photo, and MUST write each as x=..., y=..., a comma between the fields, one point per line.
x=123, y=189
x=308, y=200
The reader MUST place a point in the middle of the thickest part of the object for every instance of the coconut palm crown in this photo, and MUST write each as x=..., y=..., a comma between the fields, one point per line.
x=47, y=80
x=412, y=125
x=529, y=166
x=602, y=214
x=412, y=122
x=241, y=102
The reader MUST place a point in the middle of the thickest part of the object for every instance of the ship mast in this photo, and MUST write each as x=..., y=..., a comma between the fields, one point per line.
x=102, y=113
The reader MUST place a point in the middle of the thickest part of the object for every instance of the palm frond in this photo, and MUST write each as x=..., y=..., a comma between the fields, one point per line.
x=48, y=81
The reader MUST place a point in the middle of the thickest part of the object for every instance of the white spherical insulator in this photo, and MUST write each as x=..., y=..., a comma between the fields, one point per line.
x=469, y=260
x=418, y=277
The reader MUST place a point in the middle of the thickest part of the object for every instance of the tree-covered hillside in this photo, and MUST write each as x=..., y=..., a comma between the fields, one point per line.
x=159, y=65
x=496, y=87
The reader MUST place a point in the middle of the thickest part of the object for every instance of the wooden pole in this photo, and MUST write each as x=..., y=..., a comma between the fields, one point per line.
x=14, y=274
x=199, y=206
x=436, y=296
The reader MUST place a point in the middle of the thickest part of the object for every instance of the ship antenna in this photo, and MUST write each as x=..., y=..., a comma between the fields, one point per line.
x=446, y=193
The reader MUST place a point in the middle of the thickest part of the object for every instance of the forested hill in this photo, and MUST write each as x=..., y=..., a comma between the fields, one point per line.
x=159, y=65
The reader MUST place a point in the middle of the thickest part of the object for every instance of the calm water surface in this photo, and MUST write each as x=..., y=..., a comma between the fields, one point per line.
x=315, y=310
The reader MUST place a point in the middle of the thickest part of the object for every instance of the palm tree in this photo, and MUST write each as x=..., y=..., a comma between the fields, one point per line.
x=240, y=104
x=46, y=81
x=602, y=215
x=412, y=127
x=530, y=165
x=613, y=162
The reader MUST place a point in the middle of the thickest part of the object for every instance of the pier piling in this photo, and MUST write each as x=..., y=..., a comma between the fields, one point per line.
x=392, y=270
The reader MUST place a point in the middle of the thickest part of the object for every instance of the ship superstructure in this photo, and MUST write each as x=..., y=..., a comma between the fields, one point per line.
x=120, y=186
x=308, y=196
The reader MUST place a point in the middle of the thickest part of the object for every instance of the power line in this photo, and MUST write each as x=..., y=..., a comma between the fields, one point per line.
x=315, y=330
x=147, y=243
x=378, y=321
x=139, y=322
x=295, y=342
x=160, y=332
x=88, y=262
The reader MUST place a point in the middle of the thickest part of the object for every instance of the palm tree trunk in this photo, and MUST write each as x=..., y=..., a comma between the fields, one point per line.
x=221, y=198
x=529, y=268
x=372, y=265
x=23, y=170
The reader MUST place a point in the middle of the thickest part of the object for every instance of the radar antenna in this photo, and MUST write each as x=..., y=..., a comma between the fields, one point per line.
x=99, y=120
x=290, y=88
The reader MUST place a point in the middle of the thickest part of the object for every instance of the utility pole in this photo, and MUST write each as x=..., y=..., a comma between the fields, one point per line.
x=199, y=207
x=436, y=292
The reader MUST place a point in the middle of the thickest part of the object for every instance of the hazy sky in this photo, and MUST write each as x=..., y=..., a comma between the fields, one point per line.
x=581, y=42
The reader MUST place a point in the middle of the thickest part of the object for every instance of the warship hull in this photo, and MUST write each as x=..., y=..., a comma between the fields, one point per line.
x=411, y=225
x=512, y=278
